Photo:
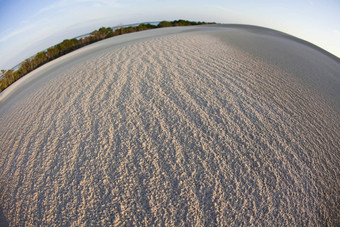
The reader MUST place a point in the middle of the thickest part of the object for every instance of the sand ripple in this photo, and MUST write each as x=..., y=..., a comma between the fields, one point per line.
x=177, y=130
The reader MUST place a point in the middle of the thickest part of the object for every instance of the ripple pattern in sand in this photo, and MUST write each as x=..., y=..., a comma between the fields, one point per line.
x=177, y=130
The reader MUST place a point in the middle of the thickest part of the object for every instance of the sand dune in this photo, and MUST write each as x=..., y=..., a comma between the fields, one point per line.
x=181, y=126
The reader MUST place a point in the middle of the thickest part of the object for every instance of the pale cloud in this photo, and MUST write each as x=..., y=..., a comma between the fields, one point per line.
x=336, y=32
x=14, y=33
x=68, y=5
x=53, y=7
x=109, y=3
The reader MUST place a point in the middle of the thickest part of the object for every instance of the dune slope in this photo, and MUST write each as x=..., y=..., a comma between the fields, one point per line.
x=181, y=129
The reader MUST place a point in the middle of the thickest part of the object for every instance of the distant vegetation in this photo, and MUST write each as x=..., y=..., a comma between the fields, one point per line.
x=68, y=45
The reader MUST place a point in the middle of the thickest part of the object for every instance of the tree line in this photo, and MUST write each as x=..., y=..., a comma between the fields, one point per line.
x=7, y=77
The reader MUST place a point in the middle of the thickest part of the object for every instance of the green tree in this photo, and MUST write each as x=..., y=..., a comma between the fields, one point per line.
x=52, y=53
x=164, y=23
x=39, y=59
x=2, y=73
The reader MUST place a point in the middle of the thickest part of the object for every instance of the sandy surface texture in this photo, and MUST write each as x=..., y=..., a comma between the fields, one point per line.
x=182, y=127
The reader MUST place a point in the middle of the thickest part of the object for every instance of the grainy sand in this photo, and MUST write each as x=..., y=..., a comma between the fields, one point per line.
x=183, y=127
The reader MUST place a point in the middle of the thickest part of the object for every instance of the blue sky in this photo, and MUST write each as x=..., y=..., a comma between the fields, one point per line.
x=29, y=26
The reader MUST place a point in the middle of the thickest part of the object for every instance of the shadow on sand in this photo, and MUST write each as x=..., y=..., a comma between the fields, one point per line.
x=3, y=220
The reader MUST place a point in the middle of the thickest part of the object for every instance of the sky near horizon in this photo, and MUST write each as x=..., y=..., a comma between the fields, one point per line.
x=30, y=26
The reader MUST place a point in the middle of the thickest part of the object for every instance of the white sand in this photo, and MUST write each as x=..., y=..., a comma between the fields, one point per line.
x=186, y=128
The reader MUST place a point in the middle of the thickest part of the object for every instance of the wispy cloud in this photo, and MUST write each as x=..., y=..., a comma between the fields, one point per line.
x=16, y=32
x=53, y=7
x=336, y=32
x=70, y=4
x=110, y=3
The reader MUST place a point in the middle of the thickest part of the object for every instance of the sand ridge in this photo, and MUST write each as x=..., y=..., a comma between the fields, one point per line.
x=182, y=129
